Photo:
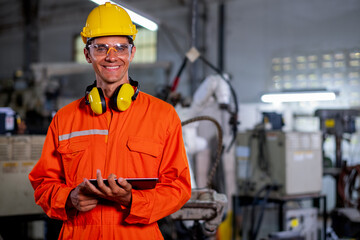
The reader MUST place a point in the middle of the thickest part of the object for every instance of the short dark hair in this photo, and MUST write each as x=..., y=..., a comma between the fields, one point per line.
x=131, y=41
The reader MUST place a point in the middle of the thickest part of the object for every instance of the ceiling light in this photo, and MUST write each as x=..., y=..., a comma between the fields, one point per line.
x=136, y=18
x=299, y=96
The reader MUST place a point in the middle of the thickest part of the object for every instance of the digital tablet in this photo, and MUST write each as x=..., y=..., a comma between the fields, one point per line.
x=136, y=183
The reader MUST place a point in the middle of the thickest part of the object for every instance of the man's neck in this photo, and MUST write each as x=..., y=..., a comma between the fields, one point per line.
x=109, y=89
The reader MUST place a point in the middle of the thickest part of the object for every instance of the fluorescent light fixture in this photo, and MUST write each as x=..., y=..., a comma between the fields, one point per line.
x=299, y=96
x=136, y=18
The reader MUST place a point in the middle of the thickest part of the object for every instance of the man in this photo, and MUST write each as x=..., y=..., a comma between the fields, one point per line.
x=114, y=131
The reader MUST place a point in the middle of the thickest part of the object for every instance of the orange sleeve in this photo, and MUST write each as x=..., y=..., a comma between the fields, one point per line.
x=47, y=179
x=174, y=187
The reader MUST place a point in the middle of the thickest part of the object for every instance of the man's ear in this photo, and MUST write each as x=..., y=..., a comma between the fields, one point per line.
x=87, y=55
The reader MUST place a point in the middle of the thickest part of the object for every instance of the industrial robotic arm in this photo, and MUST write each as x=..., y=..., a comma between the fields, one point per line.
x=206, y=207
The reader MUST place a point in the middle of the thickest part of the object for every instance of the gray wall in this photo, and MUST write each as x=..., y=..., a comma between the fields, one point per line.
x=258, y=30
x=58, y=23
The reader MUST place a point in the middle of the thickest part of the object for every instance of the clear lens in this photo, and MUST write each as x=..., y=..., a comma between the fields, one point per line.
x=118, y=49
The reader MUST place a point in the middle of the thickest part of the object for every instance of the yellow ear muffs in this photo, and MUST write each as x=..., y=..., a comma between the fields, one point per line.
x=122, y=97
x=96, y=100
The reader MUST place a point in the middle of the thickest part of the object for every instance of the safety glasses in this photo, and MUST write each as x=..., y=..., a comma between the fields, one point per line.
x=119, y=49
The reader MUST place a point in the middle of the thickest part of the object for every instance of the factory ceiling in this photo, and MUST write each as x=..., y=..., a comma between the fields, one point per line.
x=17, y=13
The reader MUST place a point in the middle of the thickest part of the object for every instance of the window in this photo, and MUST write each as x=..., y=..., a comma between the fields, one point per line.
x=145, y=42
x=79, y=50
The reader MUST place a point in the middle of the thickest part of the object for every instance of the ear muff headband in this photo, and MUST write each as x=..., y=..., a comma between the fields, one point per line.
x=87, y=91
x=97, y=101
x=137, y=86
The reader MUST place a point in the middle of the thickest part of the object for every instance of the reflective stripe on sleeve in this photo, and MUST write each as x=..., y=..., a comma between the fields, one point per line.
x=83, y=133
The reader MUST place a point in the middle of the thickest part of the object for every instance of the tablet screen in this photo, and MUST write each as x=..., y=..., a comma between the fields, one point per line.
x=136, y=183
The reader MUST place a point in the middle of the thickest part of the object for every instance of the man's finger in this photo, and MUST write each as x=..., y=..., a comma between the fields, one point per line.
x=99, y=179
x=90, y=188
x=87, y=207
x=112, y=182
x=124, y=184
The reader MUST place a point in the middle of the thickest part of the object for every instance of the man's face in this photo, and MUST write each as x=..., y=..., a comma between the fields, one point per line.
x=109, y=62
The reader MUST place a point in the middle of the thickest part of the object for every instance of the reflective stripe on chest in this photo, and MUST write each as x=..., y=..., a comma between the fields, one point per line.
x=83, y=133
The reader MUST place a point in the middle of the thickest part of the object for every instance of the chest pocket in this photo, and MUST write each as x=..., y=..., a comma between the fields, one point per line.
x=72, y=155
x=144, y=157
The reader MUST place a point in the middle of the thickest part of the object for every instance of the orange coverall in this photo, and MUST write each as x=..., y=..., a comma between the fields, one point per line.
x=143, y=141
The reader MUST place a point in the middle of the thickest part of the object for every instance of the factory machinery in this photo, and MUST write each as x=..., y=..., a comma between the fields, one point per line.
x=345, y=218
x=275, y=171
x=18, y=211
x=291, y=162
x=18, y=156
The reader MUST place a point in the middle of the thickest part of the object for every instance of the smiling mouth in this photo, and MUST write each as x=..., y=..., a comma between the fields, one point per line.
x=111, y=68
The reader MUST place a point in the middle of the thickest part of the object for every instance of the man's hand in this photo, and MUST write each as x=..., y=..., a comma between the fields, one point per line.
x=86, y=196
x=120, y=194
x=82, y=199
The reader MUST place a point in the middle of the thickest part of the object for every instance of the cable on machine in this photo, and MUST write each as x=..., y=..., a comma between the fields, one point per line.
x=220, y=147
x=347, y=185
x=233, y=114
x=254, y=228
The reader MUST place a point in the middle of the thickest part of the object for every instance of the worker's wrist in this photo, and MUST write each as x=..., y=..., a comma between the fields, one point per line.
x=69, y=205
x=126, y=204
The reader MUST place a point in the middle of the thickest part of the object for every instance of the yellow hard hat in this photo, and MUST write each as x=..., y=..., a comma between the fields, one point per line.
x=107, y=20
